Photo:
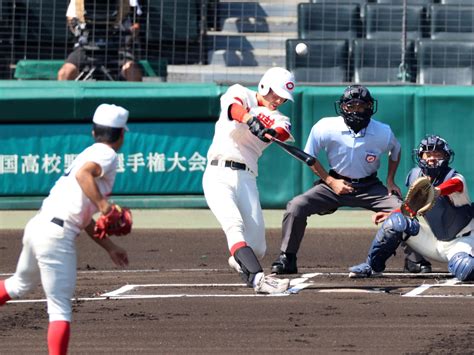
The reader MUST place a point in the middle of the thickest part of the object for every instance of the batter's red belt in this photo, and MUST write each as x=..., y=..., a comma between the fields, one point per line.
x=351, y=180
x=231, y=164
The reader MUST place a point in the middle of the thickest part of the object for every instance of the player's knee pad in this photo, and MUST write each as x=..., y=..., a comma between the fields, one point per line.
x=388, y=238
x=399, y=223
x=461, y=265
x=249, y=263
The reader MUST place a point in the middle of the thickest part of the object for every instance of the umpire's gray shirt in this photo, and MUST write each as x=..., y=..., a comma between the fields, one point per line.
x=352, y=155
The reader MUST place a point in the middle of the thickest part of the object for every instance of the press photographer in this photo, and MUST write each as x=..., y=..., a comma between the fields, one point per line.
x=106, y=40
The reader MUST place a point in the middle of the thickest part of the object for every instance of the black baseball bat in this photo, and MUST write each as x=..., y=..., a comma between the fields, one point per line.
x=294, y=151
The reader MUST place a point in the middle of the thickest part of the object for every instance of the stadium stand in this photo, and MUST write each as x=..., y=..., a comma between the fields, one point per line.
x=457, y=2
x=379, y=61
x=452, y=22
x=361, y=3
x=409, y=2
x=327, y=61
x=39, y=28
x=48, y=69
x=445, y=62
x=248, y=37
x=386, y=21
x=329, y=21
x=236, y=41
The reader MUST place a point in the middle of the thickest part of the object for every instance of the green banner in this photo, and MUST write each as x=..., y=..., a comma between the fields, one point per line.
x=159, y=158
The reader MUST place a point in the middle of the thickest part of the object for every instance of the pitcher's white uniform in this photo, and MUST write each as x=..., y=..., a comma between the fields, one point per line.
x=232, y=195
x=49, y=249
x=426, y=243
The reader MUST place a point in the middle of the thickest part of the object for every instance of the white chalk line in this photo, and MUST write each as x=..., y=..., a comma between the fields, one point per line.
x=128, y=288
x=386, y=274
x=133, y=271
x=297, y=285
x=418, y=292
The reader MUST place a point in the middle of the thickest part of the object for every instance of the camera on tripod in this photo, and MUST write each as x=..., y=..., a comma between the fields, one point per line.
x=106, y=41
x=97, y=47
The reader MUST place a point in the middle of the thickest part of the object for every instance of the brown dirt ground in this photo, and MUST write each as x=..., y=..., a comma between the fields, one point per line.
x=330, y=317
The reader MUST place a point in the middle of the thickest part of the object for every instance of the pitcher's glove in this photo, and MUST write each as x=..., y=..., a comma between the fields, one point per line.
x=118, y=221
x=420, y=198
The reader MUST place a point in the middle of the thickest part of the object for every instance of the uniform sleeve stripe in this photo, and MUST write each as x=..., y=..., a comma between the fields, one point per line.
x=239, y=100
x=282, y=134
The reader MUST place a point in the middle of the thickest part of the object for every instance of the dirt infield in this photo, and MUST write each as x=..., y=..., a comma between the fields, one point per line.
x=181, y=298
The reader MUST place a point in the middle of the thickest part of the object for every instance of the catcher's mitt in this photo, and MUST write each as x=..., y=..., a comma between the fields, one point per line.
x=118, y=221
x=420, y=198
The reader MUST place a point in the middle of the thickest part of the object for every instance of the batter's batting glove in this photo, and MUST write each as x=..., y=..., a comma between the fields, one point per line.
x=265, y=131
x=259, y=130
x=255, y=126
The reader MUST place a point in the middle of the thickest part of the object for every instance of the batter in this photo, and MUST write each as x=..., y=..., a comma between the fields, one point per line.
x=230, y=179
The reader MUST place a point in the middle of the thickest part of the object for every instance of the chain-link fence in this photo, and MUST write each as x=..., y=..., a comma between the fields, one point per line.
x=366, y=41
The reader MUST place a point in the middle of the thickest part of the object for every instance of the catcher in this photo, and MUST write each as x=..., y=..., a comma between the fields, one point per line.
x=49, y=251
x=444, y=233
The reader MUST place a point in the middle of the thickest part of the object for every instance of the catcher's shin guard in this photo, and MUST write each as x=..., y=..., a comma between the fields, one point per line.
x=249, y=263
x=389, y=237
x=461, y=265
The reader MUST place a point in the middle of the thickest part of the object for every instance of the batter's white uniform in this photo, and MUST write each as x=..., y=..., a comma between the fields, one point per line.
x=49, y=249
x=428, y=245
x=232, y=195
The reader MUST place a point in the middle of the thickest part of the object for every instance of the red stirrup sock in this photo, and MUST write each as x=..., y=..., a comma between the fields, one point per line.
x=4, y=296
x=58, y=337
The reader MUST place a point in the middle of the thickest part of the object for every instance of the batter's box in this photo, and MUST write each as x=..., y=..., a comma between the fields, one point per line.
x=450, y=288
x=408, y=285
x=181, y=290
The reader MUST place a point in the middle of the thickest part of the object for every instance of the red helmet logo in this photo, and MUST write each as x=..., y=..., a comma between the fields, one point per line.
x=290, y=86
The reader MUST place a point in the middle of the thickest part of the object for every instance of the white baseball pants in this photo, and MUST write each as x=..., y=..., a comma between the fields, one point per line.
x=49, y=256
x=232, y=196
x=427, y=245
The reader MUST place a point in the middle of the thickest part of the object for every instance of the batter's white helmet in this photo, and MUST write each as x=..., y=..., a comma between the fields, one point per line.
x=280, y=80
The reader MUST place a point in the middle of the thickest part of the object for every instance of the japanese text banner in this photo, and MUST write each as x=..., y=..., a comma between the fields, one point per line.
x=156, y=158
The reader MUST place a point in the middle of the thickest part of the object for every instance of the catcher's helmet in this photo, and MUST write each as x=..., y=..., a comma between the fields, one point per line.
x=356, y=106
x=436, y=168
x=280, y=80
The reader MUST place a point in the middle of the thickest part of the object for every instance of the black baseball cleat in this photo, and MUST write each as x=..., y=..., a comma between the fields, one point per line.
x=423, y=267
x=285, y=264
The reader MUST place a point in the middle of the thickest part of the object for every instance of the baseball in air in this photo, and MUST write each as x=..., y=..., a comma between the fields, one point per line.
x=301, y=49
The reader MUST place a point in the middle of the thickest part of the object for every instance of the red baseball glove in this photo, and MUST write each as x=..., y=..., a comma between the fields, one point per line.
x=118, y=221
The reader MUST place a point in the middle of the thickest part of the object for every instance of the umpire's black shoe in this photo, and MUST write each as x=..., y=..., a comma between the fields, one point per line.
x=285, y=264
x=423, y=267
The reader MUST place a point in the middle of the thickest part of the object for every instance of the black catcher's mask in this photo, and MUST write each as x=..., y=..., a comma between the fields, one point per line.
x=437, y=170
x=356, y=106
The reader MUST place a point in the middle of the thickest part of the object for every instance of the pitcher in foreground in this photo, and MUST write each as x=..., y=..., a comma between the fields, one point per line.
x=49, y=240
